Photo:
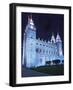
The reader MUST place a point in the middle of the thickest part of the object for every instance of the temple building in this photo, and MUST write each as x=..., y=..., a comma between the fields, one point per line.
x=37, y=52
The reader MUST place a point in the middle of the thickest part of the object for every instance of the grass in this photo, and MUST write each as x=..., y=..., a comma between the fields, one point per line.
x=51, y=70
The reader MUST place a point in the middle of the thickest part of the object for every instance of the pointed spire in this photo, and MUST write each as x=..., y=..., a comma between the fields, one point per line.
x=53, y=38
x=29, y=17
x=42, y=40
x=48, y=41
x=45, y=41
x=39, y=39
x=58, y=39
x=30, y=21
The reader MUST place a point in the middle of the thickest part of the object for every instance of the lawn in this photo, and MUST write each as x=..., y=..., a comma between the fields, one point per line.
x=51, y=70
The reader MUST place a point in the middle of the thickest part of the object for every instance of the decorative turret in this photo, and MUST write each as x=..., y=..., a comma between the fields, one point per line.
x=59, y=46
x=42, y=40
x=30, y=21
x=53, y=38
x=58, y=39
x=48, y=41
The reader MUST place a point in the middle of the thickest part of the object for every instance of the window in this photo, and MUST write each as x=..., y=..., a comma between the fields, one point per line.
x=47, y=51
x=37, y=50
x=40, y=60
x=36, y=43
x=43, y=51
x=40, y=50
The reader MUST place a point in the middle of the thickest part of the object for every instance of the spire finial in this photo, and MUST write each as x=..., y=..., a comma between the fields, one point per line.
x=30, y=21
x=30, y=16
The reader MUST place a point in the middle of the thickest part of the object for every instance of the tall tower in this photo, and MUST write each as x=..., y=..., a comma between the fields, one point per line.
x=59, y=47
x=53, y=48
x=30, y=34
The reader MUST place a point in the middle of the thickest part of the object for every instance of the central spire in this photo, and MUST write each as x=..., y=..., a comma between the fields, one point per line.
x=30, y=21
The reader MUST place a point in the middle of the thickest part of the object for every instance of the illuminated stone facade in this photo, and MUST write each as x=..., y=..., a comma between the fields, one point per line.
x=37, y=52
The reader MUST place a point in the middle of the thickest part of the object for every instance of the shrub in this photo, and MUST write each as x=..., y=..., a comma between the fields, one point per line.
x=56, y=61
x=62, y=61
x=48, y=62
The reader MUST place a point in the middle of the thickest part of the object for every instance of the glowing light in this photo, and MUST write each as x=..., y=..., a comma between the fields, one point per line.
x=38, y=51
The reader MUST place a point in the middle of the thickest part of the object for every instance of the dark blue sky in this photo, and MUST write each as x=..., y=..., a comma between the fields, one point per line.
x=45, y=24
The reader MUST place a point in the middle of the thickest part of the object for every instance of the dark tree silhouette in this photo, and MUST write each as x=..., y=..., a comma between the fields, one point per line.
x=62, y=61
x=56, y=61
x=48, y=62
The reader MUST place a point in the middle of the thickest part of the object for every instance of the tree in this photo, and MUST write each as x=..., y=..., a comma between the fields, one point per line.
x=48, y=62
x=62, y=61
x=56, y=61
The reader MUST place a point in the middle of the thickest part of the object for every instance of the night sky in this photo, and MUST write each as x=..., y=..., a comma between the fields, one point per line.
x=45, y=24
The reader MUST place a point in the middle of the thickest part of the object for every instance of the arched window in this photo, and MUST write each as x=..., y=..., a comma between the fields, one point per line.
x=37, y=50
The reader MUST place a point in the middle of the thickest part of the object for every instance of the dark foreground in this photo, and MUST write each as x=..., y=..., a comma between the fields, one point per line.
x=43, y=71
x=30, y=73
